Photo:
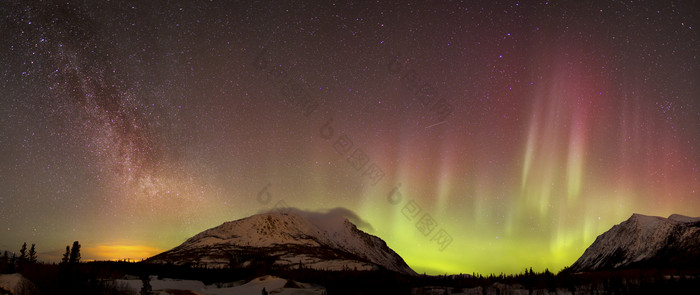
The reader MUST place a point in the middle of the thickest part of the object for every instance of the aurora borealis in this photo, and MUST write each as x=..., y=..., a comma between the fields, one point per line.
x=471, y=137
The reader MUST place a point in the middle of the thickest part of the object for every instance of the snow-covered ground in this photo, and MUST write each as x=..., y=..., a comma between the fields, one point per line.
x=271, y=284
x=10, y=282
x=17, y=284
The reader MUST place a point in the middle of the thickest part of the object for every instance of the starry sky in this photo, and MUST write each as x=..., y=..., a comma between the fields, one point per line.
x=475, y=136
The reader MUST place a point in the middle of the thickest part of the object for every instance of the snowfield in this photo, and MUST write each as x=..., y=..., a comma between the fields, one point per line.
x=272, y=284
x=10, y=282
x=17, y=284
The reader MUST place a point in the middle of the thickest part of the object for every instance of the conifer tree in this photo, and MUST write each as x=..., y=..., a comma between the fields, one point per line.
x=23, y=254
x=146, y=285
x=74, y=253
x=4, y=260
x=66, y=255
x=32, y=254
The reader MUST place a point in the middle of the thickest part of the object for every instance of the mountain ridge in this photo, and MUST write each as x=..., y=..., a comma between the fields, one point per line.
x=286, y=240
x=644, y=241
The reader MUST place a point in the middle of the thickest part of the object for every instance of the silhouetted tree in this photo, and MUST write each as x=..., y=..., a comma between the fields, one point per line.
x=74, y=253
x=11, y=264
x=32, y=254
x=66, y=255
x=146, y=285
x=23, y=254
x=4, y=260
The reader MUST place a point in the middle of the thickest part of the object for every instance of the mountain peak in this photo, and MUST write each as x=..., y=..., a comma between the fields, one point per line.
x=683, y=218
x=646, y=221
x=290, y=240
x=644, y=240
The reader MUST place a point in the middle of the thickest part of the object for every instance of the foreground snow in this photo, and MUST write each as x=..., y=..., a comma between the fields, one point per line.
x=17, y=284
x=272, y=284
x=10, y=282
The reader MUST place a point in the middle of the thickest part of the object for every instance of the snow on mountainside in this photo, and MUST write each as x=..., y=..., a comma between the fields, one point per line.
x=645, y=241
x=286, y=239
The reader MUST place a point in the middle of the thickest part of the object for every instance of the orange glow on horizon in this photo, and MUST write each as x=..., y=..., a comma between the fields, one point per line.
x=120, y=252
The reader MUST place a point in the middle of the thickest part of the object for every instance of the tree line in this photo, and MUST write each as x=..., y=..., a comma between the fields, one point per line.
x=72, y=254
x=11, y=262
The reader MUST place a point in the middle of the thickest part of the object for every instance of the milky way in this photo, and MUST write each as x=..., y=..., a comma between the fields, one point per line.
x=472, y=137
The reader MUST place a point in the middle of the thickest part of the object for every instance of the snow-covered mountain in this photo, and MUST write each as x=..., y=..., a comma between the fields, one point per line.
x=286, y=239
x=645, y=241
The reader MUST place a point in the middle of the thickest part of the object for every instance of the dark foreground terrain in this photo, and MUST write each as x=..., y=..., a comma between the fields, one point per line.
x=99, y=278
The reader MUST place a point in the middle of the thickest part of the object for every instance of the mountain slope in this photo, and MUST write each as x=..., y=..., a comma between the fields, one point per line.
x=645, y=241
x=286, y=239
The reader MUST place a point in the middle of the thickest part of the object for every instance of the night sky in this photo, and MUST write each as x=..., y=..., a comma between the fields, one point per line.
x=471, y=137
